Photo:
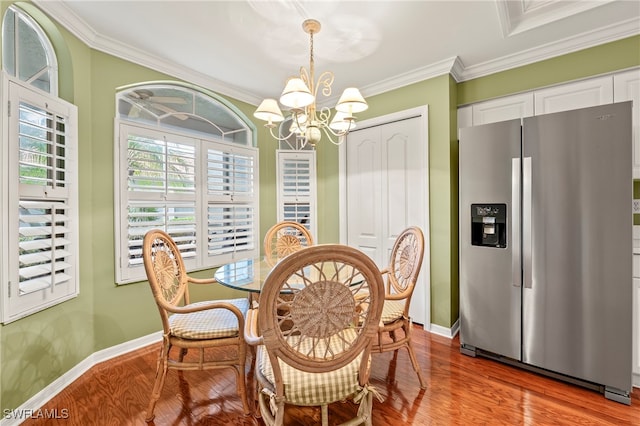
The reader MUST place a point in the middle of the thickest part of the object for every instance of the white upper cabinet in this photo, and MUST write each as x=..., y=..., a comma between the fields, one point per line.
x=501, y=109
x=581, y=94
x=626, y=87
x=619, y=87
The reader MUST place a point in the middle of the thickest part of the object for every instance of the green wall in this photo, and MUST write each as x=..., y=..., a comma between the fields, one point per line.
x=602, y=59
x=36, y=350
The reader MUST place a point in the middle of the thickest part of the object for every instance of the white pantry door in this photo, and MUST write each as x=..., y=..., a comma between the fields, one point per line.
x=386, y=173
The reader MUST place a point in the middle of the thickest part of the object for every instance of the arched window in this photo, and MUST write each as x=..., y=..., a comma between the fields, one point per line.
x=38, y=159
x=27, y=53
x=185, y=163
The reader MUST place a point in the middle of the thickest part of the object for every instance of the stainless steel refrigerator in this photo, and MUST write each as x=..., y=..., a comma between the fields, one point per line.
x=546, y=245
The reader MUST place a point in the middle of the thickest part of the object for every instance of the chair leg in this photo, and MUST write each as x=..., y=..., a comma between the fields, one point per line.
x=416, y=366
x=324, y=414
x=183, y=352
x=241, y=378
x=161, y=374
x=241, y=388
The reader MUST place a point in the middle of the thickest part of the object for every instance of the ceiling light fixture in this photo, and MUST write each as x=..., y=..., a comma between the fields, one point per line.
x=300, y=95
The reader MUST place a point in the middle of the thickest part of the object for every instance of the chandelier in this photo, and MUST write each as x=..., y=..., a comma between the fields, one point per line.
x=308, y=123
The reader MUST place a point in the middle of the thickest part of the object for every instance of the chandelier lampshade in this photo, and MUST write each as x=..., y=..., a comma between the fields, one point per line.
x=308, y=122
x=351, y=101
x=269, y=111
x=296, y=94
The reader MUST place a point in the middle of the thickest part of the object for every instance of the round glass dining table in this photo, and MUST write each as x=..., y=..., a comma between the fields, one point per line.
x=250, y=274
x=246, y=274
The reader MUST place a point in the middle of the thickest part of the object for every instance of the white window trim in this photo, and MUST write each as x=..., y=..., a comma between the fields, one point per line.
x=126, y=274
x=13, y=91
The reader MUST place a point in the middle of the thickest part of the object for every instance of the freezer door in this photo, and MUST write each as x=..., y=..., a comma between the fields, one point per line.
x=489, y=176
x=578, y=262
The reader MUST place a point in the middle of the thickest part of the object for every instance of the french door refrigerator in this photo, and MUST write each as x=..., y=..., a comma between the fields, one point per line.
x=546, y=245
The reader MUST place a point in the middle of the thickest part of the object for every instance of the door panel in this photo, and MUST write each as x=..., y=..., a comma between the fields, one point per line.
x=489, y=162
x=364, y=193
x=577, y=313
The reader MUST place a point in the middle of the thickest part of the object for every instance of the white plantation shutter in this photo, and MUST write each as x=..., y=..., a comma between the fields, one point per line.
x=44, y=246
x=202, y=193
x=296, y=183
x=41, y=261
x=161, y=188
x=231, y=201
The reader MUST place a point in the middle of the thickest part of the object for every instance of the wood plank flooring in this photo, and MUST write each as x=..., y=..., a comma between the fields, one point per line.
x=462, y=391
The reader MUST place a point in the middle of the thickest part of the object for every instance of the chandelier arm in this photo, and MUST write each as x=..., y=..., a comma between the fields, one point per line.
x=330, y=133
x=276, y=137
x=323, y=116
x=325, y=80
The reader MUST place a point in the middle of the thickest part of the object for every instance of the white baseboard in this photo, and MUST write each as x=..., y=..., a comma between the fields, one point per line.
x=32, y=406
x=635, y=380
x=444, y=331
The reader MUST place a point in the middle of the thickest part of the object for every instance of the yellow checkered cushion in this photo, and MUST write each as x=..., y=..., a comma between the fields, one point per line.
x=208, y=324
x=304, y=388
x=392, y=310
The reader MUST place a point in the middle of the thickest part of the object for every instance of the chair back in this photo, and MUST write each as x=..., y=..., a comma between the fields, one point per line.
x=320, y=308
x=404, y=264
x=284, y=238
x=165, y=271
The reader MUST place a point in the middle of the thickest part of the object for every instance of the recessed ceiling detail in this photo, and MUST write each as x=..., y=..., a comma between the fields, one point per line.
x=517, y=16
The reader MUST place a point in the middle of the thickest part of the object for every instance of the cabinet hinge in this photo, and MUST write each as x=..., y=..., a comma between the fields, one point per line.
x=9, y=288
x=8, y=108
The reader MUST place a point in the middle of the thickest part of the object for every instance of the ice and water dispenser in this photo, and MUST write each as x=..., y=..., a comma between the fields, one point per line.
x=489, y=225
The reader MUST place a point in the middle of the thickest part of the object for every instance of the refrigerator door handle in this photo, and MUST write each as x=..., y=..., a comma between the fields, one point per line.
x=515, y=222
x=526, y=223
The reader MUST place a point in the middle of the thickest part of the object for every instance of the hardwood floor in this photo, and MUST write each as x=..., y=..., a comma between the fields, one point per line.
x=462, y=390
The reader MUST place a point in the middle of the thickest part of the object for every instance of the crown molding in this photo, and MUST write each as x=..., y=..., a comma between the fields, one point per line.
x=447, y=66
x=594, y=38
x=454, y=66
x=79, y=28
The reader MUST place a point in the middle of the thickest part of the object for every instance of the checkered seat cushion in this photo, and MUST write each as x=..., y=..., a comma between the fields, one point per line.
x=392, y=310
x=304, y=388
x=210, y=323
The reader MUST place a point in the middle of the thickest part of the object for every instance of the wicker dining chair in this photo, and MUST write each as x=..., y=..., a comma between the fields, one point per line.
x=284, y=238
x=313, y=348
x=200, y=325
x=401, y=275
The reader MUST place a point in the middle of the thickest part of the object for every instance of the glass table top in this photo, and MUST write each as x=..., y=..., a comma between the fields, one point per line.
x=245, y=274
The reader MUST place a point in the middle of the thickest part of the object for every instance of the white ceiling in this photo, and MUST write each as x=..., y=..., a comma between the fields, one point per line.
x=248, y=48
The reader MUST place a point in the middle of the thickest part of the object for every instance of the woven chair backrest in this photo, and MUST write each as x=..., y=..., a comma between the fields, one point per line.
x=320, y=307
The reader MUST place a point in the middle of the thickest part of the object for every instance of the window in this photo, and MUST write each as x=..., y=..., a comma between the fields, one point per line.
x=27, y=53
x=185, y=165
x=296, y=183
x=39, y=261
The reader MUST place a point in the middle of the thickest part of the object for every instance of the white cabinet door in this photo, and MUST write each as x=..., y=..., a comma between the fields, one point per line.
x=581, y=94
x=626, y=87
x=506, y=108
